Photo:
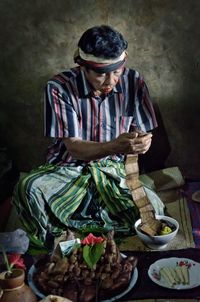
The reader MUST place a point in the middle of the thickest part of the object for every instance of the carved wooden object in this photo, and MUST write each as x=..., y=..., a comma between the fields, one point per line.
x=149, y=224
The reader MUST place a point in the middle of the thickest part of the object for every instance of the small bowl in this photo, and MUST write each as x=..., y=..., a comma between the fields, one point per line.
x=160, y=241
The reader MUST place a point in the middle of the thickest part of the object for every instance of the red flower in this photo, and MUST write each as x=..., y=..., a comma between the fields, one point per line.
x=186, y=263
x=15, y=260
x=181, y=263
x=91, y=240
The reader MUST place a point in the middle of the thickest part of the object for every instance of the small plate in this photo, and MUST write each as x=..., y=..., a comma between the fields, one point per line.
x=194, y=269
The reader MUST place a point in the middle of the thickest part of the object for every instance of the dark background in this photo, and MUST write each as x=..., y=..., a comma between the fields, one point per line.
x=38, y=39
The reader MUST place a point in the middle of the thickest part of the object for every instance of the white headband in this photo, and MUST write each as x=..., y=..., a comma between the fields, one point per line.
x=92, y=58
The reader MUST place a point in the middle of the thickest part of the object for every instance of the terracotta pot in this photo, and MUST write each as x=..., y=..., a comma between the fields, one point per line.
x=14, y=288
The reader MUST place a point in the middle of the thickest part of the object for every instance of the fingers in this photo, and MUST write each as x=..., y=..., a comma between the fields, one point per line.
x=146, y=147
x=141, y=145
x=133, y=143
x=131, y=135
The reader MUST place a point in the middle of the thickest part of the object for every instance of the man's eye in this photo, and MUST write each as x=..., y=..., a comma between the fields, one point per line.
x=101, y=75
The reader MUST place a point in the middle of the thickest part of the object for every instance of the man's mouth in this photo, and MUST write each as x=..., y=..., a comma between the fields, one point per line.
x=107, y=89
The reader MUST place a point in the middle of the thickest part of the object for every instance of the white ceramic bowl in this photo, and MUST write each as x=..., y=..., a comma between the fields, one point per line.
x=160, y=241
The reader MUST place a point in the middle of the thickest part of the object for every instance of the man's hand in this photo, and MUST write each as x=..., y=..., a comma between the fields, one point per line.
x=126, y=143
x=133, y=143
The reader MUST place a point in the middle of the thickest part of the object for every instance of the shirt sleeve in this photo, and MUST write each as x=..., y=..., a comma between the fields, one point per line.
x=60, y=117
x=145, y=118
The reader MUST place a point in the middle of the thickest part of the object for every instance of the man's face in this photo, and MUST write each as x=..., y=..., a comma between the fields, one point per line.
x=103, y=82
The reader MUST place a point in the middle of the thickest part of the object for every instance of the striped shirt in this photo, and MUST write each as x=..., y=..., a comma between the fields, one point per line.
x=72, y=110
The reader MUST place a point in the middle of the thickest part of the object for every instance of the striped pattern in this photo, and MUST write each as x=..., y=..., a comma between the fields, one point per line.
x=72, y=110
x=65, y=192
x=59, y=197
x=88, y=199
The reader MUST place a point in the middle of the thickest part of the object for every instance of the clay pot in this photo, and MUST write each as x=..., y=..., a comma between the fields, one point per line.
x=14, y=288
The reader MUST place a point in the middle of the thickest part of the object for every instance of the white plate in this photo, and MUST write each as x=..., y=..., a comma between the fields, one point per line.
x=194, y=275
x=31, y=283
x=131, y=285
x=196, y=196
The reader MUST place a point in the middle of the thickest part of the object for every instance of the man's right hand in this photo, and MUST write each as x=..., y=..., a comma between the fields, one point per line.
x=132, y=143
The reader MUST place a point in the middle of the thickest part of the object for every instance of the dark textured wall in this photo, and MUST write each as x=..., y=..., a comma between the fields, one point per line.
x=38, y=39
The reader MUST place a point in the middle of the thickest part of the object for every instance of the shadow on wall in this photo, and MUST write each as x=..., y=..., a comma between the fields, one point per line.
x=33, y=155
x=163, y=45
x=155, y=158
x=9, y=174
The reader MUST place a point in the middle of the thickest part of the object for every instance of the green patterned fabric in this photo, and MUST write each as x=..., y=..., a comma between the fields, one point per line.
x=93, y=198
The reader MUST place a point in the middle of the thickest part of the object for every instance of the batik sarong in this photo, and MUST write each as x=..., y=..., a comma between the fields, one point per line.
x=93, y=198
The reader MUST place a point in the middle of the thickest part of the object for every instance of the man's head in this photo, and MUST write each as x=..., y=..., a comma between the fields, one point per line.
x=103, y=41
x=101, y=54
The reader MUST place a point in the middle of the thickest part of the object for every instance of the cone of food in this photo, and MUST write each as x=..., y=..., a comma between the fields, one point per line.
x=85, y=270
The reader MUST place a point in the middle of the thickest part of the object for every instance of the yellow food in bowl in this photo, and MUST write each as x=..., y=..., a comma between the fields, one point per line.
x=165, y=230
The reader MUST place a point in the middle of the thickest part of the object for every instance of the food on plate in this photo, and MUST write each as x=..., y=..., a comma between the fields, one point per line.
x=178, y=274
x=93, y=269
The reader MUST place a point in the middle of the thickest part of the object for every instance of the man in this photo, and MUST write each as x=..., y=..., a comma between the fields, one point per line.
x=95, y=112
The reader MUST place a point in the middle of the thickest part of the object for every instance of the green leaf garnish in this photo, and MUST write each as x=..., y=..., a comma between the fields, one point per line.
x=92, y=254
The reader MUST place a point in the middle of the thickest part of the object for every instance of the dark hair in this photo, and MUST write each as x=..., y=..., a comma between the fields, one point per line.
x=103, y=41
